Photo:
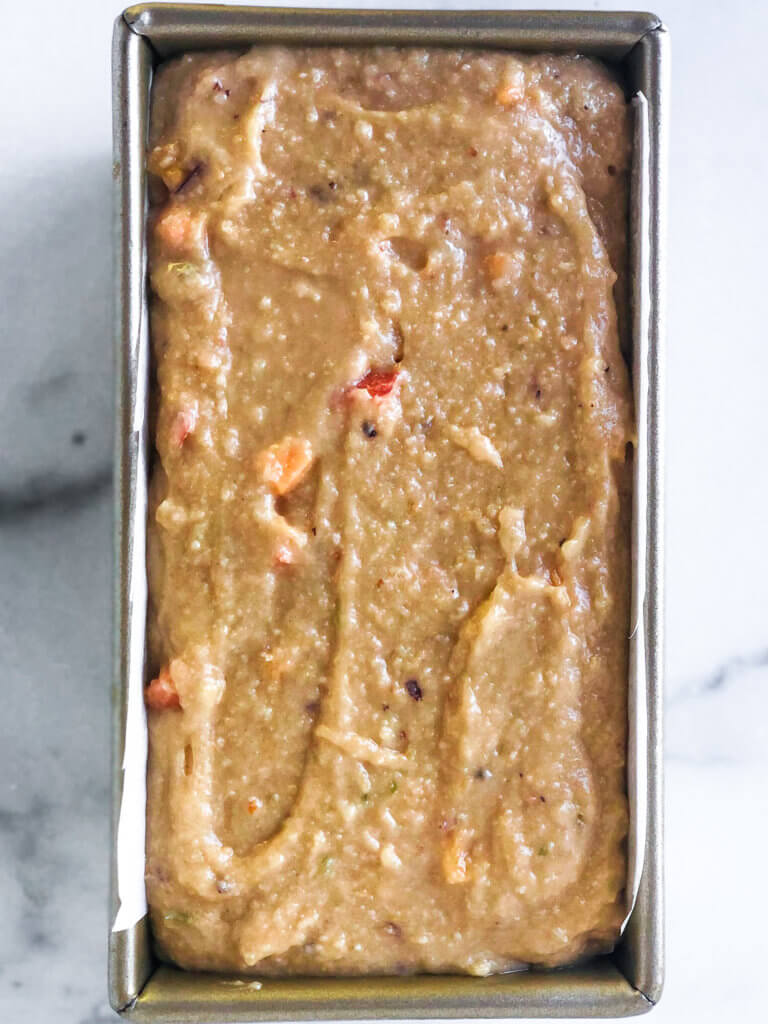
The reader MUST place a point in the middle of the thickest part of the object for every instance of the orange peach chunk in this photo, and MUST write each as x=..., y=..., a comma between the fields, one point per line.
x=512, y=87
x=179, y=229
x=285, y=464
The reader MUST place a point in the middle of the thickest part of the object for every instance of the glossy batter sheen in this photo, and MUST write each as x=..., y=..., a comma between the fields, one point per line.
x=389, y=561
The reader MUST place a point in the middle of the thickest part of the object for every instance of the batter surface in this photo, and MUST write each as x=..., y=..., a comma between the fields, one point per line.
x=389, y=568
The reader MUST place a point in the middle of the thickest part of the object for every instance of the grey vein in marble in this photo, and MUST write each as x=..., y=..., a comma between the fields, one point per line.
x=720, y=718
x=55, y=572
x=724, y=675
x=56, y=390
x=47, y=492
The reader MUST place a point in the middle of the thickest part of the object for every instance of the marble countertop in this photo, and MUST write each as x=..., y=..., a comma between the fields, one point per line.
x=55, y=512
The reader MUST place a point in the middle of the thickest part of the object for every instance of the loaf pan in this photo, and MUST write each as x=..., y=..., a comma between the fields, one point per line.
x=624, y=983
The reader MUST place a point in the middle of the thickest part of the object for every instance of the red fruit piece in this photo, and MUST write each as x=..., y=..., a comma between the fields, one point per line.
x=378, y=383
x=161, y=693
x=183, y=425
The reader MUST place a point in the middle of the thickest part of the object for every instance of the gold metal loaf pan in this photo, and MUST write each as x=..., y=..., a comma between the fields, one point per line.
x=628, y=981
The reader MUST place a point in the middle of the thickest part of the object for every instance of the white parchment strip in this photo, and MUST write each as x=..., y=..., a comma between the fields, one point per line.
x=637, y=752
x=131, y=829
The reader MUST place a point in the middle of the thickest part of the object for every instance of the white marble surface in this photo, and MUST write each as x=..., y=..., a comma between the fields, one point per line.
x=55, y=560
